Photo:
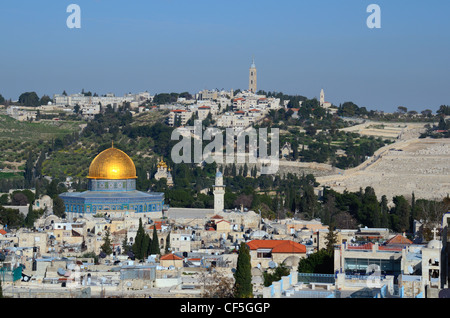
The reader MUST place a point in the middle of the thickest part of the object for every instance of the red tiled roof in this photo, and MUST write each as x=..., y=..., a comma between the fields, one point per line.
x=398, y=239
x=179, y=111
x=170, y=257
x=216, y=217
x=3, y=232
x=204, y=107
x=368, y=246
x=157, y=225
x=278, y=246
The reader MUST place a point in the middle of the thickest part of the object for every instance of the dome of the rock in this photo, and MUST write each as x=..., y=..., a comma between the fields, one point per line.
x=112, y=164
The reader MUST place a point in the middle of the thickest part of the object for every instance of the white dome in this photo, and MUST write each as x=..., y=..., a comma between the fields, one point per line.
x=291, y=261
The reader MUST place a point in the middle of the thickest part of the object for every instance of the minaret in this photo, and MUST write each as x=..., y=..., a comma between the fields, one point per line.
x=219, y=193
x=252, y=82
x=322, y=97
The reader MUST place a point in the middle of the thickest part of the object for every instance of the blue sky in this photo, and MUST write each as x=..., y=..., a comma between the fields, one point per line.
x=178, y=45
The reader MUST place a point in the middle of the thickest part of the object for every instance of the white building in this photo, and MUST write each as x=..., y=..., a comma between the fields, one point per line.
x=182, y=114
x=108, y=99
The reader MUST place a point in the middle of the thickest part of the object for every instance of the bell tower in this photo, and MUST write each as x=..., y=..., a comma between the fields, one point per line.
x=322, y=97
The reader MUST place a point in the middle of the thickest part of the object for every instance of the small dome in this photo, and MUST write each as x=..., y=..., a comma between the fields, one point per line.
x=112, y=164
x=291, y=261
x=257, y=271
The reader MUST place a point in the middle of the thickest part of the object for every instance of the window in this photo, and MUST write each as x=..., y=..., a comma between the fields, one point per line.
x=264, y=253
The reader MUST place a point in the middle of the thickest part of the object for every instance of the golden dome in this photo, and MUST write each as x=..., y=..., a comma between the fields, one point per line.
x=162, y=164
x=112, y=164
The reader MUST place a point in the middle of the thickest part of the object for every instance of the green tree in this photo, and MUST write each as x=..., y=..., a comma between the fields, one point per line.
x=45, y=99
x=243, y=275
x=29, y=219
x=125, y=246
x=146, y=245
x=320, y=262
x=52, y=189
x=28, y=174
x=401, y=212
x=59, y=207
x=29, y=99
x=271, y=276
x=370, y=212
x=106, y=246
x=308, y=202
x=138, y=244
x=154, y=246
x=384, y=212
x=331, y=239
x=11, y=217
x=4, y=199
x=167, y=249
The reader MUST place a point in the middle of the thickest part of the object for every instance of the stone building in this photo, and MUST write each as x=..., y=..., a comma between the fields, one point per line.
x=264, y=252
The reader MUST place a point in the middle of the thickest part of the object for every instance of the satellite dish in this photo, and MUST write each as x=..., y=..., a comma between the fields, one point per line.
x=272, y=264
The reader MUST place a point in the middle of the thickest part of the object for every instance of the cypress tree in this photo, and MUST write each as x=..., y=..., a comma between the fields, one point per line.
x=384, y=212
x=138, y=242
x=146, y=244
x=154, y=249
x=167, y=243
x=29, y=219
x=243, y=275
x=125, y=246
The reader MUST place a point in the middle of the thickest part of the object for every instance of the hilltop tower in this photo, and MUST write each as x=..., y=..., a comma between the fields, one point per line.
x=252, y=82
x=322, y=97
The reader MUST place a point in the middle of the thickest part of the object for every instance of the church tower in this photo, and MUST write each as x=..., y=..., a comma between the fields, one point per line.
x=219, y=193
x=252, y=83
x=322, y=97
